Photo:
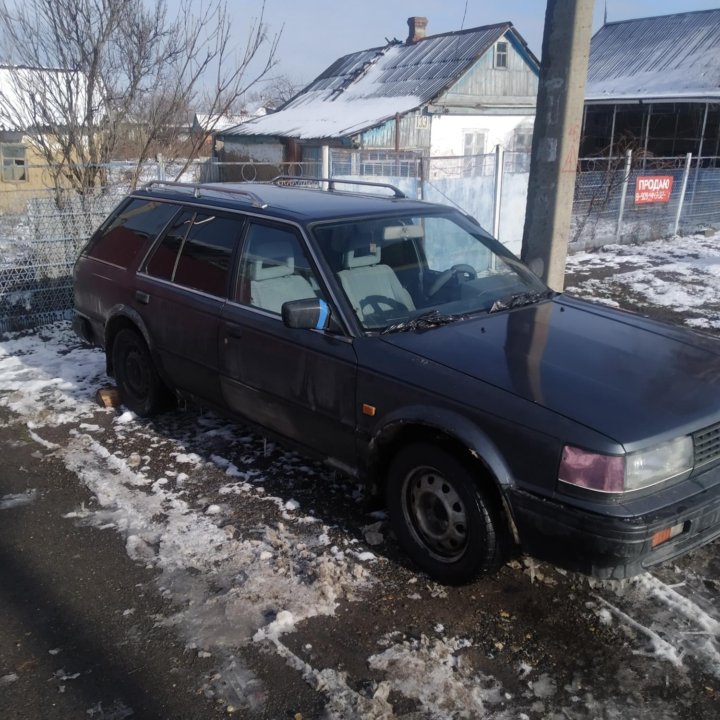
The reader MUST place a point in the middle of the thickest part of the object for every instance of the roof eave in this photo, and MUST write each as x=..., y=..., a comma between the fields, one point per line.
x=644, y=99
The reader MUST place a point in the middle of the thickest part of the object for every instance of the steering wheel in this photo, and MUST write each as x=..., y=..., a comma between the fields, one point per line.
x=447, y=275
x=376, y=302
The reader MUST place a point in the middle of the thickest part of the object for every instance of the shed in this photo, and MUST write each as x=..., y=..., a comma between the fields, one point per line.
x=453, y=94
x=654, y=87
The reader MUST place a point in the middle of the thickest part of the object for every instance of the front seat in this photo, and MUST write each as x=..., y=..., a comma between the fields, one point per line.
x=372, y=288
x=271, y=266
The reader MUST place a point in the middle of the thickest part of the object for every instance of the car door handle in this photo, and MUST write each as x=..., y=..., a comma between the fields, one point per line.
x=142, y=297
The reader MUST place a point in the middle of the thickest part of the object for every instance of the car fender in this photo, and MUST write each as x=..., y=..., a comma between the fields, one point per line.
x=127, y=312
x=452, y=424
x=459, y=428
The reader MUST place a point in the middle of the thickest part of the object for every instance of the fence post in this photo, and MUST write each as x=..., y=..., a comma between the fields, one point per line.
x=623, y=195
x=325, y=171
x=161, y=167
x=688, y=161
x=499, y=172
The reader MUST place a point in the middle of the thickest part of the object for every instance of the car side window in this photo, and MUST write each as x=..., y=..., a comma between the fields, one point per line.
x=274, y=269
x=131, y=229
x=196, y=252
x=164, y=257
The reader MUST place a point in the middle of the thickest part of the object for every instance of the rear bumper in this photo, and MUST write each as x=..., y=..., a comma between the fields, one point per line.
x=607, y=546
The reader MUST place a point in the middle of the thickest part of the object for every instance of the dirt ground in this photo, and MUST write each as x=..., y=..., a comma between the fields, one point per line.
x=81, y=629
x=89, y=633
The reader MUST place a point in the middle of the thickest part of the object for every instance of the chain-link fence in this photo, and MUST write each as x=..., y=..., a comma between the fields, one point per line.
x=38, y=249
x=616, y=200
x=639, y=198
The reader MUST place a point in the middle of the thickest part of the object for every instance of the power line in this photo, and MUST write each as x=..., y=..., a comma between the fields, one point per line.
x=462, y=24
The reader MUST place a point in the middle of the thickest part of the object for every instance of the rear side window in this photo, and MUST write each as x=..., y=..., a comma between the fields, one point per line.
x=134, y=227
x=164, y=258
x=196, y=252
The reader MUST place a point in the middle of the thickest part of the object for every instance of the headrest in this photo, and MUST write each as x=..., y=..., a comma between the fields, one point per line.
x=271, y=259
x=362, y=256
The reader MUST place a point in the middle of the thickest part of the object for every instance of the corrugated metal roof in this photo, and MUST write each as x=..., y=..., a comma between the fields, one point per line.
x=366, y=88
x=657, y=58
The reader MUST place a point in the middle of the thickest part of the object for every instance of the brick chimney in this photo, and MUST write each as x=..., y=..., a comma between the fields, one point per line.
x=417, y=27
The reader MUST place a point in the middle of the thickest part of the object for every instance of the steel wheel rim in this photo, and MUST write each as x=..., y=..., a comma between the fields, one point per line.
x=135, y=374
x=435, y=514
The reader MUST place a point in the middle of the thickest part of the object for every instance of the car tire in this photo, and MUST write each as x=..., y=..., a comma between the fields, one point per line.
x=449, y=526
x=141, y=389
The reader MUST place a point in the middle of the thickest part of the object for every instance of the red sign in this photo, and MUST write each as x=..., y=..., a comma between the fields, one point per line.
x=653, y=189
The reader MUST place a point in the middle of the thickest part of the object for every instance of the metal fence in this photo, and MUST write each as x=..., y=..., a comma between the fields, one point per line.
x=632, y=199
x=41, y=232
x=38, y=249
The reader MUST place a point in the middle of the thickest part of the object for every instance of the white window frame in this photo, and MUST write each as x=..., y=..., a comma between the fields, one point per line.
x=14, y=163
x=474, y=143
x=501, y=56
x=521, y=150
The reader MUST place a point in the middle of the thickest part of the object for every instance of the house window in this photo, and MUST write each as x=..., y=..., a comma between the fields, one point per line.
x=14, y=163
x=501, y=55
x=522, y=147
x=474, y=153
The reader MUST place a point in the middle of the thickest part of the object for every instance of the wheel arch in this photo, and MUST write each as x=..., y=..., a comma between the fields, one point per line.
x=122, y=317
x=451, y=431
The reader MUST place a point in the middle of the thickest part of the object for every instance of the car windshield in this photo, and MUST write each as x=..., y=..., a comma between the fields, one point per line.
x=416, y=271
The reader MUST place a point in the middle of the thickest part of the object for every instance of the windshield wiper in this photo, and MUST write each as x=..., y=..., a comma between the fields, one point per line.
x=427, y=320
x=520, y=299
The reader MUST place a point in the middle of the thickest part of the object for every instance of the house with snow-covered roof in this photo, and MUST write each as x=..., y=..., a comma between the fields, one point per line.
x=32, y=101
x=454, y=94
x=654, y=87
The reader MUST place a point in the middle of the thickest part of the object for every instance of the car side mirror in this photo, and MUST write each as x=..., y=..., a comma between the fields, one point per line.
x=311, y=314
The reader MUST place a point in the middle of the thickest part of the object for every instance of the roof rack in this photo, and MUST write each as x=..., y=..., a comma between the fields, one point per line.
x=199, y=189
x=331, y=182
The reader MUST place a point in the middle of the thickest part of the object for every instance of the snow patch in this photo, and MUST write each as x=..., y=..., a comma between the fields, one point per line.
x=17, y=499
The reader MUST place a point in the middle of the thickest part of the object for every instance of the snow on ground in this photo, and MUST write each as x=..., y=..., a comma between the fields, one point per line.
x=281, y=573
x=16, y=499
x=244, y=568
x=681, y=275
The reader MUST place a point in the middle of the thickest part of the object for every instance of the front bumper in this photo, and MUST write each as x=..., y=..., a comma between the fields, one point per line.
x=608, y=546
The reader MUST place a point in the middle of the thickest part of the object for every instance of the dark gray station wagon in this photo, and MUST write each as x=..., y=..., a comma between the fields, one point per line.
x=401, y=343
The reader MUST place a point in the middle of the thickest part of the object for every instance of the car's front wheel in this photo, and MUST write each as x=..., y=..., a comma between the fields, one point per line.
x=448, y=525
x=140, y=386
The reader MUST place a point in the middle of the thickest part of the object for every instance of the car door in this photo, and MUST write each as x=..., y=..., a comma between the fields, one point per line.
x=298, y=383
x=181, y=293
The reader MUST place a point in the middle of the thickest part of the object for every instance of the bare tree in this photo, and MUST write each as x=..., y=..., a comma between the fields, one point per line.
x=90, y=75
x=275, y=91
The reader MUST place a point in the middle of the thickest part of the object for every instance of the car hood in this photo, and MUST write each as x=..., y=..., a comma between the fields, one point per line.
x=623, y=375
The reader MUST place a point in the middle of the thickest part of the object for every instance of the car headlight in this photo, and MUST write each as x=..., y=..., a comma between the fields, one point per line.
x=624, y=473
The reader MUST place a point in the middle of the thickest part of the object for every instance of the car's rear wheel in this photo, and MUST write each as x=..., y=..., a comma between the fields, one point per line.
x=140, y=386
x=448, y=525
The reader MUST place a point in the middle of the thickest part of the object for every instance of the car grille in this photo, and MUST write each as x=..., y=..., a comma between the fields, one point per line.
x=707, y=445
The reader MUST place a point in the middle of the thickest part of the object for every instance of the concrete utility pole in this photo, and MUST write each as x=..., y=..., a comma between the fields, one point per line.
x=556, y=138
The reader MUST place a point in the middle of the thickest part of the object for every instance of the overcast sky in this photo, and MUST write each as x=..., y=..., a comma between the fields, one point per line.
x=317, y=32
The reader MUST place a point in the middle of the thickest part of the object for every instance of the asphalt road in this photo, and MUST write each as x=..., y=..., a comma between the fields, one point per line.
x=77, y=637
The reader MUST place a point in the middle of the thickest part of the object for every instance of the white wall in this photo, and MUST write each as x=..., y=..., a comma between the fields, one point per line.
x=447, y=132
